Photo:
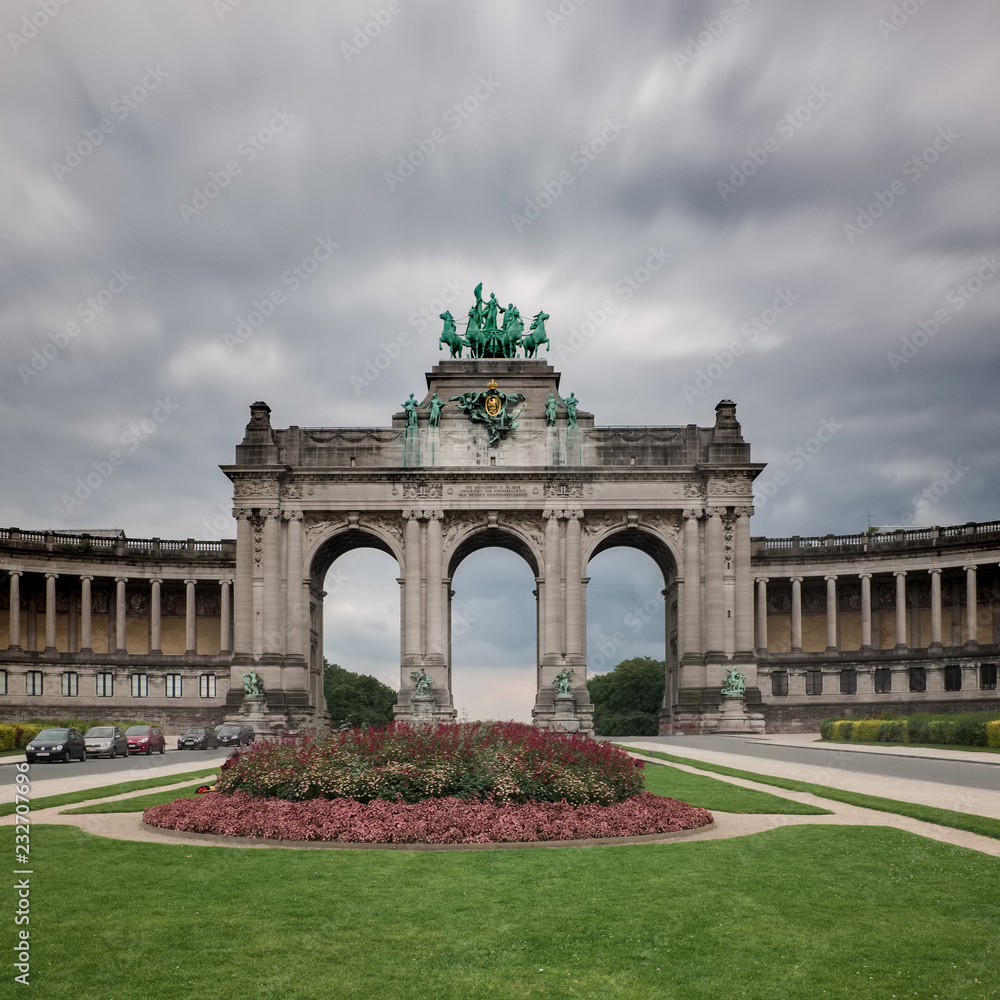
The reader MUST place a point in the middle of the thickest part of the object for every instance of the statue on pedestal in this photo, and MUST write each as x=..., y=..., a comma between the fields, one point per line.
x=734, y=684
x=434, y=408
x=253, y=686
x=561, y=683
x=410, y=408
x=571, y=404
x=422, y=682
x=551, y=408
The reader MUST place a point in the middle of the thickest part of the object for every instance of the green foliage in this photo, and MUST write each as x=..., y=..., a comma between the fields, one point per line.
x=993, y=733
x=16, y=735
x=354, y=700
x=967, y=729
x=627, y=699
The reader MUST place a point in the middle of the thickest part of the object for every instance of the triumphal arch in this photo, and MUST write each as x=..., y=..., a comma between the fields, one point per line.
x=493, y=454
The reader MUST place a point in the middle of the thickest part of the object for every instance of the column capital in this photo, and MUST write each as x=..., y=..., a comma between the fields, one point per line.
x=83, y=576
x=554, y=514
x=573, y=515
x=971, y=566
x=271, y=513
x=190, y=582
x=413, y=515
x=121, y=579
x=796, y=579
x=761, y=579
x=715, y=511
x=743, y=511
x=830, y=576
x=692, y=514
x=864, y=575
x=15, y=572
x=226, y=581
x=899, y=572
x=156, y=579
x=292, y=515
x=936, y=569
x=242, y=513
x=51, y=576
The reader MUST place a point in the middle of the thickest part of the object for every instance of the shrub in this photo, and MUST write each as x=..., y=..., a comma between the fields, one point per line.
x=917, y=730
x=826, y=728
x=842, y=729
x=866, y=730
x=501, y=761
x=993, y=733
x=941, y=731
x=892, y=731
x=970, y=731
x=627, y=699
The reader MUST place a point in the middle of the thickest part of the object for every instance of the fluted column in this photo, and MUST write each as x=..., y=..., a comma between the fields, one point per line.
x=551, y=627
x=575, y=594
x=120, y=644
x=224, y=616
x=691, y=632
x=935, y=609
x=50, y=612
x=14, y=626
x=295, y=639
x=243, y=585
x=743, y=598
x=831, y=613
x=86, y=642
x=762, y=614
x=866, y=610
x=190, y=618
x=155, y=620
x=971, y=611
x=900, y=575
x=796, y=614
x=435, y=595
x=271, y=597
x=411, y=586
x=714, y=597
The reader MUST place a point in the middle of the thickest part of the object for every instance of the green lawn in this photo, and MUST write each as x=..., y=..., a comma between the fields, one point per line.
x=797, y=912
x=138, y=802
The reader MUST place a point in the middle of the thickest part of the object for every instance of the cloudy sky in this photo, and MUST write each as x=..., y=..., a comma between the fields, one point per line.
x=790, y=205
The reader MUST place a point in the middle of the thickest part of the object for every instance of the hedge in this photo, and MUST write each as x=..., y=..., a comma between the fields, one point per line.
x=17, y=735
x=969, y=729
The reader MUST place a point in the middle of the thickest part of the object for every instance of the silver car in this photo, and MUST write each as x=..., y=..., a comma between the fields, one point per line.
x=106, y=741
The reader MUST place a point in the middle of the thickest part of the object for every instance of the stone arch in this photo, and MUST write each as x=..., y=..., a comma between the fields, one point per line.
x=478, y=537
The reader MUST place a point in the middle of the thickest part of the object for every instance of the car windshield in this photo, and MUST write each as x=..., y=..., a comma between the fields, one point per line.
x=53, y=734
x=137, y=731
x=228, y=730
x=100, y=731
x=195, y=732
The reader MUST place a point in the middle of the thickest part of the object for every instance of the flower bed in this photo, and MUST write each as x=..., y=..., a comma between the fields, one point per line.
x=501, y=761
x=432, y=821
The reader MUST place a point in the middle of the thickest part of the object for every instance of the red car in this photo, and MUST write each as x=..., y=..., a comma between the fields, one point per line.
x=145, y=739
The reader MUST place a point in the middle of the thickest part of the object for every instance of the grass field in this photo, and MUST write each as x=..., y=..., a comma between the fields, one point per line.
x=797, y=912
x=137, y=802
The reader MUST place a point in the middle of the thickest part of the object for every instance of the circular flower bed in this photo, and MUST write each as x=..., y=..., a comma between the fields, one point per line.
x=468, y=783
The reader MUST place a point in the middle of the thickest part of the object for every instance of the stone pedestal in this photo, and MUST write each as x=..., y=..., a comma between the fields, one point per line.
x=422, y=710
x=254, y=712
x=565, y=719
x=734, y=717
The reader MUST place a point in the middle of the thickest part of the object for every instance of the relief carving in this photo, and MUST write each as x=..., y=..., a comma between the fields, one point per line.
x=734, y=485
x=564, y=489
x=264, y=487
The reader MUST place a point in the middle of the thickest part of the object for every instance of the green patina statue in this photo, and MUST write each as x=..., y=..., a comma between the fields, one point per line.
x=422, y=682
x=571, y=404
x=489, y=336
x=434, y=408
x=734, y=684
x=536, y=335
x=562, y=682
x=450, y=335
x=551, y=409
x=253, y=686
x=410, y=408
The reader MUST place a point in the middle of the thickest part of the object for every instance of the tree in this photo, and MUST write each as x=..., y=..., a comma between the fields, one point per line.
x=356, y=699
x=627, y=699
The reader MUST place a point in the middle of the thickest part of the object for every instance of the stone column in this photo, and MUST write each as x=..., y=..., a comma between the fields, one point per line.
x=85, y=608
x=190, y=618
x=224, y=617
x=155, y=621
x=796, y=614
x=271, y=598
x=50, y=612
x=575, y=593
x=14, y=617
x=295, y=637
x=714, y=598
x=935, y=645
x=120, y=644
x=900, y=575
x=971, y=611
x=831, y=613
x=72, y=624
x=691, y=620
x=412, y=643
x=243, y=585
x=762, y=614
x=434, y=627
x=866, y=610
x=550, y=629
x=743, y=598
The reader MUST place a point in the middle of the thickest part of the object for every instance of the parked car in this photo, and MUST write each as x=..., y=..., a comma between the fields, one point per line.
x=145, y=739
x=197, y=738
x=106, y=741
x=235, y=734
x=57, y=744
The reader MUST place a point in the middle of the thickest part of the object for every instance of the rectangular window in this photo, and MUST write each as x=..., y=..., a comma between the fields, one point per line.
x=953, y=678
x=988, y=677
x=70, y=685
x=849, y=681
x=105, y=685
x=883, y=680
x=206, y=685
x=139, y=684
x=814, y=682
x=173, y=685
x=33, y=682
x=779, y=682
x=3, y=681
x=918, y=678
